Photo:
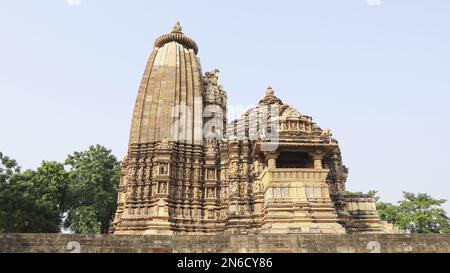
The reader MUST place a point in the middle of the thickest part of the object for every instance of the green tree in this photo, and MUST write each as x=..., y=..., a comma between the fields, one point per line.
x=8, y=167
x=419, y=213
x=31, y=201
x=50, y=183
x=92, y=194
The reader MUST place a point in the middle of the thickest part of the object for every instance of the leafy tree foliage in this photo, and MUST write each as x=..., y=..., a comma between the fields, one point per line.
x=82, y=199
x=92, y=194
x=419, y=213
x=31, y=201
x=8, y=167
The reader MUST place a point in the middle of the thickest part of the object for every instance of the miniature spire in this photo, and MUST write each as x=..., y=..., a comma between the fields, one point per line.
x=177, y=28
x=269, y=91
x=270, y=97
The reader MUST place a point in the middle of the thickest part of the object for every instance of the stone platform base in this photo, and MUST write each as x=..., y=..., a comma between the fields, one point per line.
x=354, y=243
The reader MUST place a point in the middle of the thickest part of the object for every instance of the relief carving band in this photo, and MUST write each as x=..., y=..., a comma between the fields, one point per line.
x=190, y=170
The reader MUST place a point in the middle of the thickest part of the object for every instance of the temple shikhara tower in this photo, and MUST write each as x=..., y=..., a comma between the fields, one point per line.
x=189, y=170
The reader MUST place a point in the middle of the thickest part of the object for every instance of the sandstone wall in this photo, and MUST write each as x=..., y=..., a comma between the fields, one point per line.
x=224, y=243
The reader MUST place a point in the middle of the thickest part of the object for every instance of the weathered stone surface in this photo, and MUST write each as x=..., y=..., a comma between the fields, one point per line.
x=262, y=243
x=188, y=170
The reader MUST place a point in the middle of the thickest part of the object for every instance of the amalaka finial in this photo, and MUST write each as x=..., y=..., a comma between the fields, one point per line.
x=176, y=36
x=177, y=28
x=269, y=91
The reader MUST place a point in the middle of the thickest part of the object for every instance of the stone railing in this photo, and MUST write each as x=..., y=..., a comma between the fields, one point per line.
x=357, y=204
x=295, y=184
x=297, y=174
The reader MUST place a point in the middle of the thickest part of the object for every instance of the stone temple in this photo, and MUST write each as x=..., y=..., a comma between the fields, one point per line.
x=189, y=170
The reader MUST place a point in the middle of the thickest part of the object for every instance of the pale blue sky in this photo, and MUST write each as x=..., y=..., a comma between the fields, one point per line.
x=378, y=76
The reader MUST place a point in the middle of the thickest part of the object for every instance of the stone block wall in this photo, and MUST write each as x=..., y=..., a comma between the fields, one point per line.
x=353, y=243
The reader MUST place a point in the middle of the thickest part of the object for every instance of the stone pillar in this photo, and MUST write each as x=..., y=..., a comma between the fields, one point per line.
x=317, y=157
x=317, y=163
x=271, y=160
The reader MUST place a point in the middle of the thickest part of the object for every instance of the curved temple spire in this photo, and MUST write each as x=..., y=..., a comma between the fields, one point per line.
x=169, y=100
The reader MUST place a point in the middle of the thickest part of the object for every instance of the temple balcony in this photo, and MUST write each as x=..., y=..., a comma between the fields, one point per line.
x=295, y=184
